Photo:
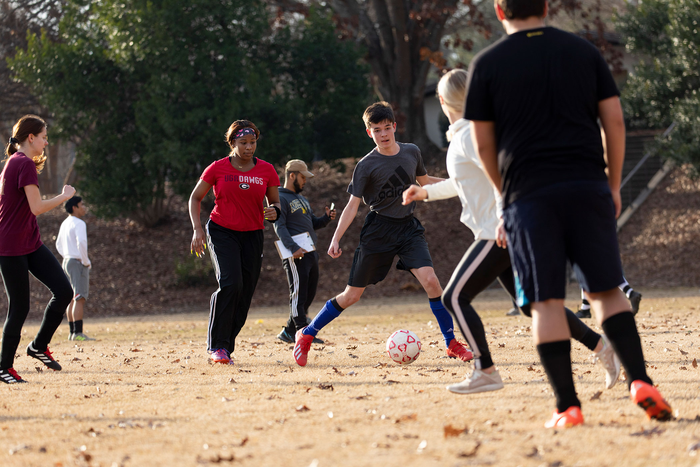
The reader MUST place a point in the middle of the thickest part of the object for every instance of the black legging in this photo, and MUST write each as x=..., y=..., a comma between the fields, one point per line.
x=483, y=263
x=15, y=274
x=302, y=277
x=237, y=259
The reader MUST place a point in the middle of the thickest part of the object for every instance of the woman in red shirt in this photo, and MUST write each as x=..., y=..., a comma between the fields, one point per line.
x=234, y=232
x=21, y=249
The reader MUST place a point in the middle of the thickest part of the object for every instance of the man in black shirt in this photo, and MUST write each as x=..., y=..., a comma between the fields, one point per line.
x=534, y=99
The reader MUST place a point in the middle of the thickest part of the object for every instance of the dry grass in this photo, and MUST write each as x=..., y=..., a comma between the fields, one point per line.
x=145, y=395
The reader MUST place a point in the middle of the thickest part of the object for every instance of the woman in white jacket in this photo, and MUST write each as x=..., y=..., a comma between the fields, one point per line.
x=484, y=261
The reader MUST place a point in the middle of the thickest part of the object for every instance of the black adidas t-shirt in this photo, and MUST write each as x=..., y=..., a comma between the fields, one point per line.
x=381, y=180
x=541, y=87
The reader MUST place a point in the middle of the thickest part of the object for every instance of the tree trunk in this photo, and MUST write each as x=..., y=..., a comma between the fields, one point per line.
x=401, y=39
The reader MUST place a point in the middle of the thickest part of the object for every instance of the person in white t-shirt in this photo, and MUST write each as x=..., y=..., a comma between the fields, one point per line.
x=72, y=245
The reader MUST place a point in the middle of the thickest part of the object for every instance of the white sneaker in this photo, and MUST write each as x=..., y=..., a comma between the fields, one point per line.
x=608, y=358
x=478, y=381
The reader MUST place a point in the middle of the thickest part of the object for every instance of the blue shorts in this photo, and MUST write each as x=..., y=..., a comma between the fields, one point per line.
x=574, y=221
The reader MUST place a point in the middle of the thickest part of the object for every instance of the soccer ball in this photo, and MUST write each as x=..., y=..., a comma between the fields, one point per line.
x=403, y=347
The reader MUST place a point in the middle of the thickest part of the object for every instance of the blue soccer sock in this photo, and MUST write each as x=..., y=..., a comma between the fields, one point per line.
x=330, y=311
x=444, y=319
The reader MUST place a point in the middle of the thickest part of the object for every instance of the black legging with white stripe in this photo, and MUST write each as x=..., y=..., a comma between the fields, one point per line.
x=237, y=259
x=302, y=277
x=483, y=263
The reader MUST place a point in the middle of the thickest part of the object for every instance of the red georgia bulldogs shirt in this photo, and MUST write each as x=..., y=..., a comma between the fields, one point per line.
x=239, y=195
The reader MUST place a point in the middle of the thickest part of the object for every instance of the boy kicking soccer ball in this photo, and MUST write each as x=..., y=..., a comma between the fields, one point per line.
x=390, y=230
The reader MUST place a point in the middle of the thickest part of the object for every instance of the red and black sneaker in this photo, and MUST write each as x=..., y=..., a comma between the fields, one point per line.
x=649, y=398
x=10, y=376
x=457, y=350
x=44, y=357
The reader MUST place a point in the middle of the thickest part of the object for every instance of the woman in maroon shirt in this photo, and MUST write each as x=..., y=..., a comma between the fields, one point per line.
x=234, y=232
x=21, y=249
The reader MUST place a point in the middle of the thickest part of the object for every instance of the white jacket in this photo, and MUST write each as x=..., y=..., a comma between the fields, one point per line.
x=72, y=240
x=481, y=203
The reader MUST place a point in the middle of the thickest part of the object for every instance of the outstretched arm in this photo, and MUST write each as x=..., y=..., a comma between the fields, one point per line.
x=40, y=206
x=346, y=219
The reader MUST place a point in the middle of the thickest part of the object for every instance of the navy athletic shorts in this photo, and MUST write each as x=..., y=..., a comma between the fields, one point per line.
x=574, y=221
x=383, y=238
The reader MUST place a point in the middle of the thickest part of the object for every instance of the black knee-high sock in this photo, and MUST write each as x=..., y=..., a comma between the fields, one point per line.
x=78, y=326
x=581, y=332
x=621, y=330
x=556, y=360
x=71, y=325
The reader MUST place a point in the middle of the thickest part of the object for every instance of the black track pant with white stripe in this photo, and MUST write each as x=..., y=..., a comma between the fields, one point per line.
x=483, y=263
x=237, y=259
x=15, y=274
x=302, y=277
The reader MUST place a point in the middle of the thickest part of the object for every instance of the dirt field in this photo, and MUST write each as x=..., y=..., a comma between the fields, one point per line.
x=146, y=395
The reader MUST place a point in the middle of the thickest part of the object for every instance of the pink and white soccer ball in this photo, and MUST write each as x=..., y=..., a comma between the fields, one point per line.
x=403, y=347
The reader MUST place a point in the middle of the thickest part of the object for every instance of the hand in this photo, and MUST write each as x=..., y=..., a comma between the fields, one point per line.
x=414, y=193
x=68, y=191
x=617, y=201
x=299, y=253
x=501, y=239
x=198, y=242
x=330, y=213
x=270, y=213
x=334, y=250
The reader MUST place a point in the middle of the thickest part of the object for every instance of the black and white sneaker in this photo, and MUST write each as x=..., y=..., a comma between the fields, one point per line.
x=634, y=298
x=44, y=357
x=10, y=376
x=583, y=313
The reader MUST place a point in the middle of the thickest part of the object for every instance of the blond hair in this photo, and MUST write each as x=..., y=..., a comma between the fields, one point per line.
x=452, y=87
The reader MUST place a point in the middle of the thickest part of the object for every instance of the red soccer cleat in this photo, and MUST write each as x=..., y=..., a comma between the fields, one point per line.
x=568, y=418
x=220, y=356
x=457, y=350
x=649, y=398
x=301, y=347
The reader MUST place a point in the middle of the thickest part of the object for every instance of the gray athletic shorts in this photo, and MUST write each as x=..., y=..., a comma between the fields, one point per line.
x=79, y=277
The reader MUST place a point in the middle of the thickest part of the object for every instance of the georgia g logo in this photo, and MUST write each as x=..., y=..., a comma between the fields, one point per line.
x=244, y=186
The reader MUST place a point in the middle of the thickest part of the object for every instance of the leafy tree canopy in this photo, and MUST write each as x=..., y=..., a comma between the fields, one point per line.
x=665, y=86
x=147, y=88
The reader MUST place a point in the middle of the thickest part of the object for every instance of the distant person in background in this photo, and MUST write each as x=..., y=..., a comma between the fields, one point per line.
x=21, y=249
x=72, y=245
x=234, y=232
x=296, y=217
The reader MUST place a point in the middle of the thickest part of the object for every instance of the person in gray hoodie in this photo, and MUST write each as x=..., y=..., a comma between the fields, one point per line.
x=302, y=271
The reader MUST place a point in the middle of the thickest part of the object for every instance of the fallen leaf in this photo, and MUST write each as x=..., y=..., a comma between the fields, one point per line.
x=325, y=386
x=302, y=408
x=695, y=363
x=683, y=352
x=407, y=418
x=596, y=396
x=449, y=432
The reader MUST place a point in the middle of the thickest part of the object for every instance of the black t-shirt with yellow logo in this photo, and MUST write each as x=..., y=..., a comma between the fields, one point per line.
x=541, y=87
